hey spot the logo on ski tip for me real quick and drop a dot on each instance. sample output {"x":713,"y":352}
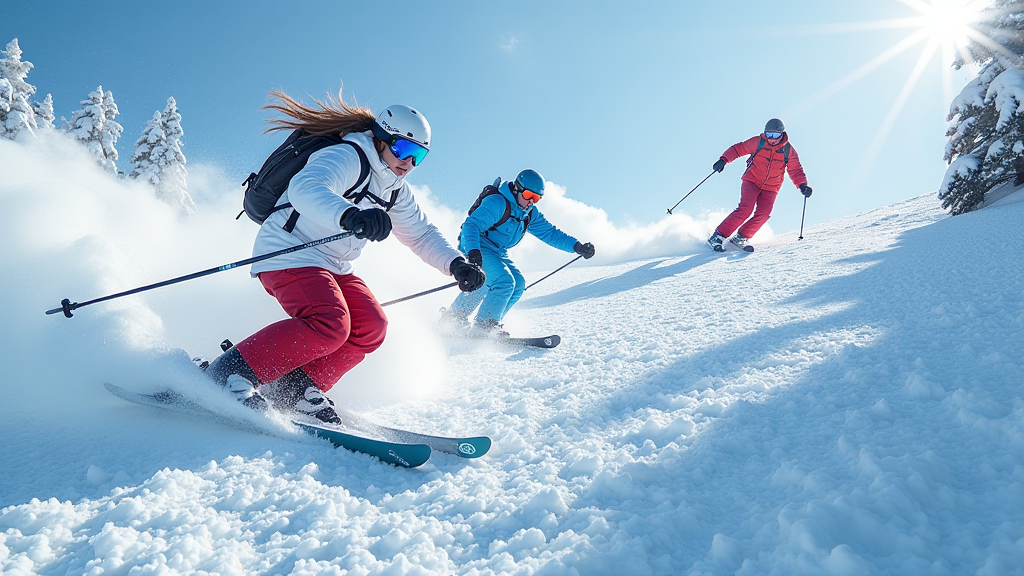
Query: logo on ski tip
{"x":398,"y":458}
{"x":467,"y":448}
{"x":547,"y":341}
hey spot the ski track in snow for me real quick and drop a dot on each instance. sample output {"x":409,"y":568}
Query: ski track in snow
{"x":845,"y":404}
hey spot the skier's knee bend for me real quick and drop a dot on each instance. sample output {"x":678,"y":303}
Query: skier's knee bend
{"x":502,"y":283}
{"x":517,"y":293}
{"x":371,"y":334}
{"x":331,"y":324}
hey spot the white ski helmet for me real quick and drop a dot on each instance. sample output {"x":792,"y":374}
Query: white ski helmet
{"x":404,"y":122}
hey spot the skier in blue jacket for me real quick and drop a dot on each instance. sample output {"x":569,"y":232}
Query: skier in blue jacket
{"x":500,"y":218}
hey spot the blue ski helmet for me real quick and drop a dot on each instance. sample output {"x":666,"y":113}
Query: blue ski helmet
{"x":530,"y":180}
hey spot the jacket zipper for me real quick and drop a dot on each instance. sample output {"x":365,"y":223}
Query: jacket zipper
{"x":768,"y":171}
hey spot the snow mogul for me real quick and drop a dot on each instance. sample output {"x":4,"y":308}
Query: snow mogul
{"x":355,"y":185}
{"x":498,"y":220}
{"x":771,"y":157}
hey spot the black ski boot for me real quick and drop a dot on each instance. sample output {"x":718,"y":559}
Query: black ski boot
{"x":296,"y":392}
{"x":741,"y":241}
{"x":233,"y":373}
{"x":716,"y":241}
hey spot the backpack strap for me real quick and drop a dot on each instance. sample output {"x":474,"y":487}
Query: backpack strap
{"x":491,"y":190}
{"x":364,"y":171}
{"x":760,"y":144}
{"x":508,"y":214}
{"x":505,"y":215}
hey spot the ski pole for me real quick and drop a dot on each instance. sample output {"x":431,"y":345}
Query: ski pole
{"x":802,"y":219}
{"x":556,"y":270}
{"x":66,"y":306}
{"x":691,"y":191}
{"x":418,"y":294}
{"x":447,"y":286}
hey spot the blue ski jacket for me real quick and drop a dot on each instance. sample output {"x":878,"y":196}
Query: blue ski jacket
{"x":476,"y":230}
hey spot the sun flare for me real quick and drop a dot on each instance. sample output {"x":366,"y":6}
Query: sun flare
{"x":949,"y":22}
{"x":942,"y":28}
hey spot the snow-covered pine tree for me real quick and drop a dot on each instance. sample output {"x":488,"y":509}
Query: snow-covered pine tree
{"x":44,"y":113}
{"x":94,"y":126}
{"x":158,"y":158}
{"x":16,"y":113}
{"x":143,"y":166}
{"x":972,"y":133}
{"x":111,"y":129}
{"x":986,"y":136}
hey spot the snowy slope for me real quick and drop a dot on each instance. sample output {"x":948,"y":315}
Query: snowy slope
{"x":846,"y":404}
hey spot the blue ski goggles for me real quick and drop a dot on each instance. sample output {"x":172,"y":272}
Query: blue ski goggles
{"x":773,"y":135}
{"x":403,"y":149}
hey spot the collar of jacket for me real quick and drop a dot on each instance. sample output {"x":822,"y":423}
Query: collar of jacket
{"x":378,"y":169}
{"x":777,"y":146}
{"x":517,"y":211}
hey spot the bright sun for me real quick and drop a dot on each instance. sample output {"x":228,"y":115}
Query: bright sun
{"x":948,"y":21}
{"x":943,"y":29}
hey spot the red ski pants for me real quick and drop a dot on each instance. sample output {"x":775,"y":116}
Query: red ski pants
{"x":752,"y":200}
{"x":335,"y":322}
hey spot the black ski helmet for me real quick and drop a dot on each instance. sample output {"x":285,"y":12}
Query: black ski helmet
{"x":775,"y":125}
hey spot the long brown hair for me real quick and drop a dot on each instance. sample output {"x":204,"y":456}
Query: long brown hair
{"x":331,"y":116}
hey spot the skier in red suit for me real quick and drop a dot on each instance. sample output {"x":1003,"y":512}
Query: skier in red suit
{"x":771,"y":156}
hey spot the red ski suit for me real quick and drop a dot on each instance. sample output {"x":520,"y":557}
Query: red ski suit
{"x":761,"y":182}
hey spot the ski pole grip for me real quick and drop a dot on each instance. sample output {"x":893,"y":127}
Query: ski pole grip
{"x":66,"y":306}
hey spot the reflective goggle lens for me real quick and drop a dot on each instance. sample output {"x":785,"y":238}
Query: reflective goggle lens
{"x":773,"y":135}
{"x":531,"y":196}
{"x":403,"y":149}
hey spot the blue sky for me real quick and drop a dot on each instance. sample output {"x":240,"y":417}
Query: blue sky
{"x":625,"y":104}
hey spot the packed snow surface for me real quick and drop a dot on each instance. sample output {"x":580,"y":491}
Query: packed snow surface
{"x":849,"y":403}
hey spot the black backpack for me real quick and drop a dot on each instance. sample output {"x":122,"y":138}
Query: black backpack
{"x":264,"y":189}
{"x":491,"y":190}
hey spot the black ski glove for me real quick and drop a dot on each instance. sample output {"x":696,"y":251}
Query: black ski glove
{"x":475,"y":257}
{"x":805,"y":190}
{"x":720,"y":165}
{"x":586,"y":250}
{"x":372,"y":224}
{"x":469,"y":276}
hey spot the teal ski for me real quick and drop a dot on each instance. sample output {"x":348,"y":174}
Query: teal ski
{"x":407,"y":454}
{"x":464,"y":447}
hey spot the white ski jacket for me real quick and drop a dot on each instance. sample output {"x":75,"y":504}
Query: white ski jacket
{"x":316,"y":192}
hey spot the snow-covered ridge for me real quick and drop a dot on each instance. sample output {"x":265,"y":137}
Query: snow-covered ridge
{"x":845,"y":404}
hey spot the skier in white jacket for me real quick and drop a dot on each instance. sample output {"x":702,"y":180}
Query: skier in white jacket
{"x":334,"y":319}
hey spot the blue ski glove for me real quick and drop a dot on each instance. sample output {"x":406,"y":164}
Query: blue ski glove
{"x":805,"y":190}
{"x":720,"y":165}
